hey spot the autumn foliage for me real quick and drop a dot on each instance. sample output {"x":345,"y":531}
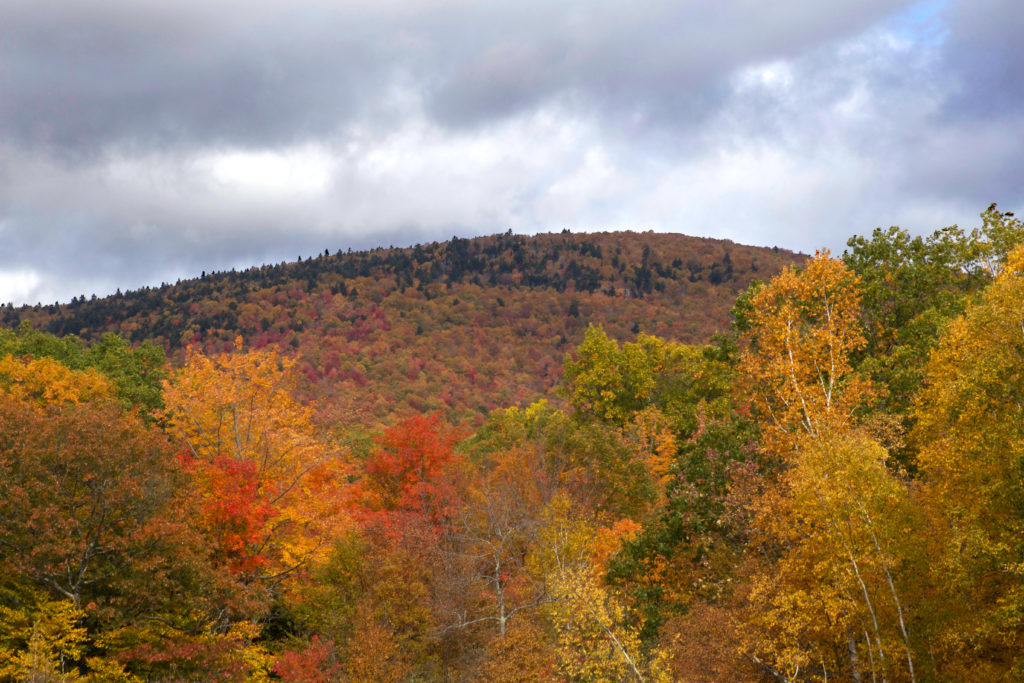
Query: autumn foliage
{"x":269,"y":487}
{"x":830,"y":491}
{"x":411,"y":469}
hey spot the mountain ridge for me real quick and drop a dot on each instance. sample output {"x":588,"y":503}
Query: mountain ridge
{"x":423,"y":328}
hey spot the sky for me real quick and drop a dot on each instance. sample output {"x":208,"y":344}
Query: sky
{"x":143,"y":141}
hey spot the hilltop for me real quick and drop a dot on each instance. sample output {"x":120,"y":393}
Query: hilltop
{"x":460,"y":326}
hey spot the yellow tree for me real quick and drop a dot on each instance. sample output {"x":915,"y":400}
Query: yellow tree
{"x":839,"y":525}
{"x":271,"y":488}
{"x":804,"y":325}
{"x":828,"y":598}
{"x":42,"y":642}
{"x":971,"y":430}
{"x":593,"y":640}
{"x":46,"y":380}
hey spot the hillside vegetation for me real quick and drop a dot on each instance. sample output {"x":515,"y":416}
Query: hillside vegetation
{"x":463,"y":326}
{"x":830,"y":491}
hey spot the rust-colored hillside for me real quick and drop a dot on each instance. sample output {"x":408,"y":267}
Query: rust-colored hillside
{"x":461,"y":326}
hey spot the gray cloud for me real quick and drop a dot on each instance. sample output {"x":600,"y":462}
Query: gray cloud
{"x":96,"y":74}
{"x":984,"y":52}
{"x":660,"y":65}
{"x":76,"y":85}
{"x":146,"y":141}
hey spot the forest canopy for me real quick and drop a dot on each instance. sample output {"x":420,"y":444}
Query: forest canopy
{"x":830,"y":488}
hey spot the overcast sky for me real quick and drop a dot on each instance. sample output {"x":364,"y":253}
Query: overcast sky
{"x":147,"y":140}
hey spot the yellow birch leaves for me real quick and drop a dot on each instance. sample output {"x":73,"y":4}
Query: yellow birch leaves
{"x":971,"y":430}
{"x":804,"y":327}
{"x":834,"y":512}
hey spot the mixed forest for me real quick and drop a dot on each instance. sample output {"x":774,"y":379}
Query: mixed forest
{"x":462,"y":327}
{"x":477,"y":461}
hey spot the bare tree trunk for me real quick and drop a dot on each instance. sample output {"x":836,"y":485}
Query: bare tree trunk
{"x":871,"y":656}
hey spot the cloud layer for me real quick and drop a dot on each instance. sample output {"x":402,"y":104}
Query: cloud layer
{"x":145,"y":141}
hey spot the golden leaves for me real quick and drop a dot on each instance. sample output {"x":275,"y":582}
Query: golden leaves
{"x":239,"y":410}
{"x":805,"y":326}
{"x":41,"y":641}
{"x":45,"y":379}
{"x":971,"y":432}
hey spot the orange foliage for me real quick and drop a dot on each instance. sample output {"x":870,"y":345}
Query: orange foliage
{"x":608,"y":541}
{"x":312,"y":664}
{"x":408,"y":471}
{"x":273,"y":492}
{"x":45,"y":379}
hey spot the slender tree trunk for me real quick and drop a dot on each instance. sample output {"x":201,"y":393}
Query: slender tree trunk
{"x":860,"y":580}
{"x":871,"y":656}
{"x":892,"y":588}
{"x":854,"y":664}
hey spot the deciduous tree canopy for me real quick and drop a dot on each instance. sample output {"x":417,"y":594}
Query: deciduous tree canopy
{"x":830,"y":491}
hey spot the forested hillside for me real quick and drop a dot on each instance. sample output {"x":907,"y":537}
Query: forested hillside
{"x":463,"y":326}
{"x":830,"y":491}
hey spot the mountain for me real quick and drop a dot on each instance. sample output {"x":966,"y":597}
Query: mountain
{"x":461,"y":326}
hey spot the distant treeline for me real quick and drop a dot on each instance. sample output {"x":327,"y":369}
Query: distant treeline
{"x":462,"y":326}
{"x":617,"y":264}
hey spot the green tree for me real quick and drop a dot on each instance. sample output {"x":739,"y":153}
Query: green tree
{"x":595,"y":462}
{"x":688,"y":547}
{"x":137,"y":373}
{"x":911,"y":288}
{"x":610,"y":383}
